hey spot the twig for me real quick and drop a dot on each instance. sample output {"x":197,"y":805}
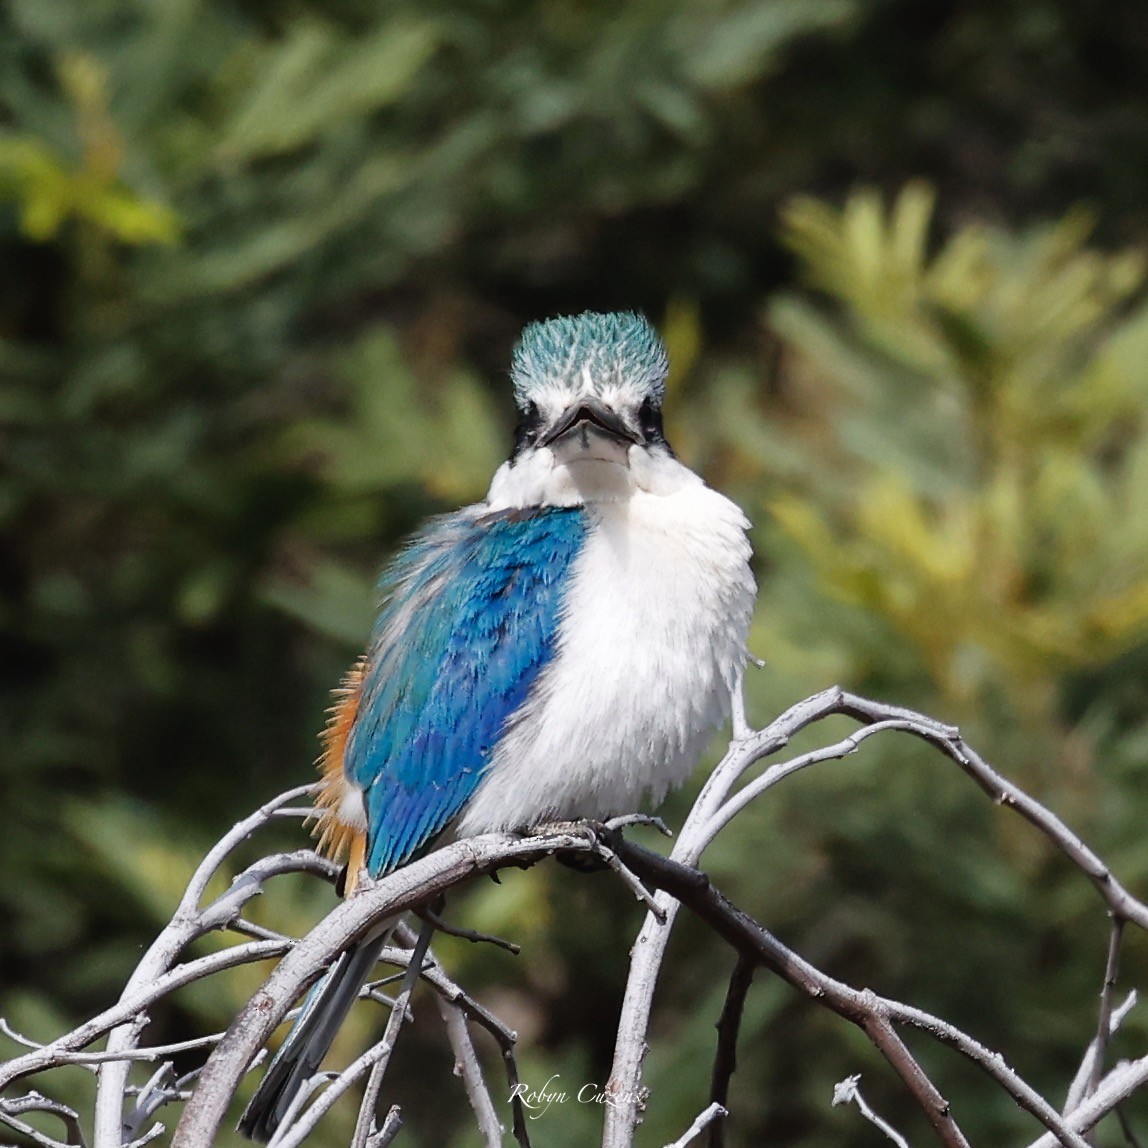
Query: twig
{"x":34,"y":1102}
{"x":648,"y":819}
{"x":1104,"y":1021}
{"x":648,"y":951}
{"x":152,"y":1096}
{"x":389,"y":1130}
{"x":847,"y":1092}
{"x":188,"y":924}
{"x":630,"y":880}
{"x":471,"y":935}
{"x":725,"y":1059}
{"x":470,"y":1071}
{"x":775,"y":773}
{"x":299,"y":1101}
{"x":145,"y":1055}
{"x":365,"y":1124}
{"x":870,"y":1012}
{"x":411,"y":886}
{"x":712,"y":811}
{"x":709,"y":1117}
{"x":504,"y":1037}
{"x":1127,"y":1078}
{"x":1005,"y":793}
{"x":49,"y":1054}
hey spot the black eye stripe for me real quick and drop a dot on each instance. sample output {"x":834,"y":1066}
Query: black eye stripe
{"x":529,"y":424}
{"x":650,"y":420}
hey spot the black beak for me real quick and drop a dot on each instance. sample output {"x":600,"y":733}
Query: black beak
{"x":588,"y":412}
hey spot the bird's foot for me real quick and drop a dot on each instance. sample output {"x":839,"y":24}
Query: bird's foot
{"x":592,"y":832}
{"x":616,"y":823}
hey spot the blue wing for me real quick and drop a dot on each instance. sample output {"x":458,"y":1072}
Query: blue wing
{"x":470,"y":618}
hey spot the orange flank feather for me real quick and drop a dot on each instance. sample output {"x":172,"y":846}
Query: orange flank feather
{"x":338,"y":839}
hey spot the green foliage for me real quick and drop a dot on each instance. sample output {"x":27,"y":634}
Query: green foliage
{"x":989,"y":419}
{"x":260,"y":270}
{"x":50,"y":192}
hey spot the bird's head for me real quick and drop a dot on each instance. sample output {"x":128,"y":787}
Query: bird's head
{"x":589,"y":394}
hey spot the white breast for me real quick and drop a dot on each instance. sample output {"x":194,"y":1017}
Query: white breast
{"x":649,"y":647}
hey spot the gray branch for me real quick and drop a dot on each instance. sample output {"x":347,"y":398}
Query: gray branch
{"x":663,"y":884}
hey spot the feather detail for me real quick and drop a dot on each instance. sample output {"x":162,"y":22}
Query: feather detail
{"x":470,"y":611}
{"x":339,"y":839}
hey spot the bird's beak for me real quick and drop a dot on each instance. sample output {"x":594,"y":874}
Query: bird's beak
{"x":588,"y":429}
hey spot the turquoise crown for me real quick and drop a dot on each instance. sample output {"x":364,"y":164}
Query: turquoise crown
{"x":620,"y":349}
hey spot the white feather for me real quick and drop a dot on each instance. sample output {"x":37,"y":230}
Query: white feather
{"x":651,"y":642}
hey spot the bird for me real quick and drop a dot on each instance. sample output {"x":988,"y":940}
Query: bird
{"x":562,"y":650}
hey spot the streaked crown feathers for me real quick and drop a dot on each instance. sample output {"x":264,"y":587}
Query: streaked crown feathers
{"x":611,"y":352}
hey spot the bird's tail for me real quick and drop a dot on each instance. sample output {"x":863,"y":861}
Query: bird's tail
{"x":298,"y":1059}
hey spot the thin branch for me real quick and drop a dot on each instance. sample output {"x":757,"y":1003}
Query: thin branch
{"x":470,"y":1071}
{"x":471,"y":935}
{"x":630,"y":880}
{"x":365,"y":1124}
{"x":1004,"y":792}
{"x":775,"y":773}
{"x":709,"y":1117}
{"x":413,"y":885}
{"x":712,"y":811}
{"x":188,"y":924}
{"x":231,"y":841}
{"x":10,"y":1110}
{"x":301,"y":1128}
{"x":149,"y":1054}
{"x":725,"y":1059}
{"x":648,"y":951}
{"x":648,"y":819}
{"x":504,"y":1037}
{"x":847,"y":1092}
{"x":48,"y":1055}
{"x":1104,"y":1021}
{"x":870,"y":1012}
{"x":389,"y":1130}
{"x":307,"y":1089}
{"x":1127,"y":1078}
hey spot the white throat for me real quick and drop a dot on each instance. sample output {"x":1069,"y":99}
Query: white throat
{"x":537,"y":478}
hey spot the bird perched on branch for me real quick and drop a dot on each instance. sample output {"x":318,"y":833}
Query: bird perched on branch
{"x":562,"y":650}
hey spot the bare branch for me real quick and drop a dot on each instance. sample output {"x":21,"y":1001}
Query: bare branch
{"x":712,"y":811}
{"x":847,"y":1092}
{"x":504,"y":1037}
{"x":471,"y":935}
{"x":1104,"y":1021}
{"x":1004,"y":792}
{"x":10,"y":1110}
{"x":365,"y":1125}
{"x":709,"y":1117}
{"x":725,"y":1060}
{"x":413,"y":885}
{"x":1127,"y":1078}
{"x":466,"y":1066}
{"x":48,"y":1056}
{"x":187,"y":925}
{"x":389,"y":1130}
{"x":869,"y":1012}
{"x":662,"y":884}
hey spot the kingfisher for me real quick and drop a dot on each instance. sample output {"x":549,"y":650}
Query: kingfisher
{"x":562,"y":650}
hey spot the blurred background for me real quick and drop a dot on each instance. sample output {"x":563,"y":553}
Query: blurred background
{"x":261,"y":268}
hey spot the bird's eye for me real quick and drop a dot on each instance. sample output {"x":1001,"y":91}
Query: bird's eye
{"x":650,"y":420}
{"x":529,"y":421}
